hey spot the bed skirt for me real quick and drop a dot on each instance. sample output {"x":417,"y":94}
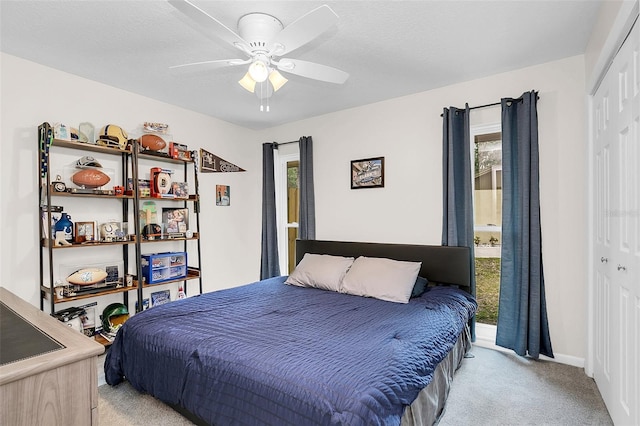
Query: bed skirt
{"x":428,"y":407}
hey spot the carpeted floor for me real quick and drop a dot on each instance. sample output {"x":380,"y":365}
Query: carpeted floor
{"x":501,"y":388}
{"x":123,"y":405}
{"x":493,"y":388}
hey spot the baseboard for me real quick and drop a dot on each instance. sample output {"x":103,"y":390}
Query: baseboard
{"x":486,"y":338}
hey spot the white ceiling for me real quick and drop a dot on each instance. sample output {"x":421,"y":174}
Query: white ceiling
{"x":389,"y":48}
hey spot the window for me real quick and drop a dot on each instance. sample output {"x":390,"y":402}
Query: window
{"x":487,"y":198}
{"x":293,"y":211}
{"x":287,"y":166}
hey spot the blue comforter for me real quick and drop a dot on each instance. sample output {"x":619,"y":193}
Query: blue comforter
{"x":270,"y":353}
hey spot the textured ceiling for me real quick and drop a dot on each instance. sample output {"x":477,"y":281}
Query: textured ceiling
{"x":389,"y":48}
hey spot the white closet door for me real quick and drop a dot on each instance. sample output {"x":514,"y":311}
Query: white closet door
{"x":616,"y":121}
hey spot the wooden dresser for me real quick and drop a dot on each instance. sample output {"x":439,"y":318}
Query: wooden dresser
{"x":48,"y":372}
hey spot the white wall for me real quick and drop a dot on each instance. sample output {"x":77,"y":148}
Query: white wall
{"x":32,"y":94}
{"x":407,"y":131}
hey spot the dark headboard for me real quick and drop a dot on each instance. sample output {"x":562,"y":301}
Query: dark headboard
{"x":440,"y":264}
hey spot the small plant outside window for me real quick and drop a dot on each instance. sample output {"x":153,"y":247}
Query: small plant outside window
{"x":493,"y":241}
{"x":476,"y":240}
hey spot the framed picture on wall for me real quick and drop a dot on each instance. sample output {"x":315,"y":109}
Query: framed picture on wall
{"x":223,"y":195}
{"x":367,"y":173}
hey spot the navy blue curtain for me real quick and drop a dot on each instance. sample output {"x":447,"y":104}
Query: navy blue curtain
{"x":269,"y":262}
{"x":457,"y":200}
{"x":307,"y":223}
{"x":522,"y":313}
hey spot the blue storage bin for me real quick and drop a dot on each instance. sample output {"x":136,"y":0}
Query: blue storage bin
{"x":161,"y":267}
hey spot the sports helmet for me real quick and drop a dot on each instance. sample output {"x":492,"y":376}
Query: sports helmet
{"x":113,"y":317}
{"x":112,"y":135}
{"x":87,"y":161}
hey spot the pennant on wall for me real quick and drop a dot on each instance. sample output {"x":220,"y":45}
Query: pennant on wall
{"x":211,"y":163}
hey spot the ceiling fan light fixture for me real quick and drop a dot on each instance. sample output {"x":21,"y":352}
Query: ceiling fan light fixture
{"x":277,"y":80}
{"x":259,"y":71}
{"x":248,"y":83}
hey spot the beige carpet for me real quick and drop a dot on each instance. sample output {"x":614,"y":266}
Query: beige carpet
{"x":123,"y":405}
{"x":494,"y":388}
{"x":501,"y":388}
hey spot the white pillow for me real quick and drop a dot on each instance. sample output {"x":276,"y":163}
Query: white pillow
{"x":320,"y":271}
{"x":381,"y":278}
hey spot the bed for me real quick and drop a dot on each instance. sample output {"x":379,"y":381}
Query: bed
{"x":273,"y":353}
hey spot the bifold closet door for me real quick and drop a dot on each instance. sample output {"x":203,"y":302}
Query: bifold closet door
{"x":616,"y":121}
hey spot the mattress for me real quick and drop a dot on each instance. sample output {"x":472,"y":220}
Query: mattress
{"x":269,"y":353}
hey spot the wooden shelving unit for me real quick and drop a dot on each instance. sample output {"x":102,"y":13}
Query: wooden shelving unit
{"x":130,"y":212}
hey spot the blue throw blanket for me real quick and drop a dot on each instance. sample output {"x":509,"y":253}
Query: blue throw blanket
{"x":270,"y":353}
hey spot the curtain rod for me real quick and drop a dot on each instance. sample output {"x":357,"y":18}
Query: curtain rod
{"x":486,"y":106}
{"x":496,"y":103}
{"x":277,"y":144}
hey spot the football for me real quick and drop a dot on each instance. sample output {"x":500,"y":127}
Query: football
{"x":152,"y":142}
{"x":90,"y":178}
{"x":87,"y":276}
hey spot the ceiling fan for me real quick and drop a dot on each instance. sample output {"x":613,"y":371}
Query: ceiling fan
{"x":263,"y":38}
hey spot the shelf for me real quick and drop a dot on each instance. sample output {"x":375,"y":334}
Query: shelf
{"x":162,"y":240}
{"x":100,"y":339}
{"x":192,"y":197}
{"x":45,"y":243}
{"x":161,"y":157}
{"x":191,"y":275}
{"x":75,"y":194}
{"x":56,"y":299}
{"x":129,"y":211}
{"x":89,"y":147}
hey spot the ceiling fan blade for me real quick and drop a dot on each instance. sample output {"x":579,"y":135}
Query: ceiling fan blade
{"x":313,"y":70}
{"x":214,"y":64}
{"x":304,"y":29}
{"x":210,"y":24}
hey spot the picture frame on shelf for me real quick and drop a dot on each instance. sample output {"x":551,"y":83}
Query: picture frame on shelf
{"x":175,"y":220}
{"x":160,"y":297}
{"x":180,"y":190}
{"x":85,"y":232}
{"x":367,"y":173}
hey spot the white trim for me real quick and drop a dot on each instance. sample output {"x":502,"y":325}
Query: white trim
{"x":590,"y":349}
{"x":486,"y":338}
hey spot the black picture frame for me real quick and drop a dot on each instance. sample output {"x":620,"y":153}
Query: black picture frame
{"x":367,"y":173}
